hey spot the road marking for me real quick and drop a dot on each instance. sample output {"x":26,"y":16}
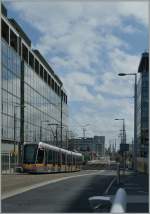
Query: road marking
{"x":110,"y":185}
{"x":25,"y":189}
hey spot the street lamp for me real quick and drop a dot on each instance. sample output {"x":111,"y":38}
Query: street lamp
{"x":135,"y":115}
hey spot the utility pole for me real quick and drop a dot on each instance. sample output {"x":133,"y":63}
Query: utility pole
{"x":135,"y":116}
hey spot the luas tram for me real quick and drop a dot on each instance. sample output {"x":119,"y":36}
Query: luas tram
{"x":45,"y":158}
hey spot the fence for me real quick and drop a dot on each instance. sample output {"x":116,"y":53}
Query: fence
{"x":8,"y":163}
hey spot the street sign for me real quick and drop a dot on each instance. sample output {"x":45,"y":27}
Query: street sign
{"x":124,"y":147}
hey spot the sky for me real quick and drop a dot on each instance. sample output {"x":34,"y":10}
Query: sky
{"x":87,"y":43}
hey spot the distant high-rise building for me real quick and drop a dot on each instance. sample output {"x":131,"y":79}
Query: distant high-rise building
{"x":143,"y":106}
{"x":99,"y":142}
{"x":92,"y":148}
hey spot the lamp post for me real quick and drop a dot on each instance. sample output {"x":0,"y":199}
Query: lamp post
{"x":135,"y":116}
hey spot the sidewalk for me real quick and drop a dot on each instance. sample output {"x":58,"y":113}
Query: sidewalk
{"x":137,"y":187}
{"x":17,"y":181}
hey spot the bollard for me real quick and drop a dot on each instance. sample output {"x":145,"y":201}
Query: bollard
{"x":120,"y":202}
{"x":118,"y":173}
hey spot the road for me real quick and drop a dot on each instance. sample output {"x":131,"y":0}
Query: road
{"x":70,"y":195}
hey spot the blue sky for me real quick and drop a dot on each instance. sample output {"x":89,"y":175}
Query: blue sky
{"x":87,"y":44}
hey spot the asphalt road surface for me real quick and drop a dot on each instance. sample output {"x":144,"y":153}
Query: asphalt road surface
{"x":69,"y":195}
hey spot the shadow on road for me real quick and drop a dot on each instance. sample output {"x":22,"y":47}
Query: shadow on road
{"x":96,"y":187}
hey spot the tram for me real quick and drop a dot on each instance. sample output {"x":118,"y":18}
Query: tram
{"x":46,"y":158}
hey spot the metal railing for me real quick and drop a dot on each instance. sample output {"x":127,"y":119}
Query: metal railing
{"x":8,"y":163}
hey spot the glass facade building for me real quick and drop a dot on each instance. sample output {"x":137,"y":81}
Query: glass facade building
{"x":34,"y":102}
{"x":143,"y":106}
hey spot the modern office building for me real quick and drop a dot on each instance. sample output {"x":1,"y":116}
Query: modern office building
{"x":143,"y":108}
{"x":92,"y":148}
{"x":99,"y":142}
{"x":34,"y":101}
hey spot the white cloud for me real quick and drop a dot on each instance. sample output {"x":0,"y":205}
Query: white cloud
{"x":129,"y":29}
{"x":78,"y":40}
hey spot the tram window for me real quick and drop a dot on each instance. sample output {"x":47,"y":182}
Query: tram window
{"x":54,"y":157}
{"x":59,"y":157}
{"x":40,"y":156}
{"x":63,"y":158}
{"x":69,"y":159}
{"x":50,"y":156}
{"x":46,"y":156}
{"x":55,"y":160}
{"x":74,"y":160}
{"x":30,"y":153}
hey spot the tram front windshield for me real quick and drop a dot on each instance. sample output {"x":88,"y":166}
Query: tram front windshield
{"x":30,"y":152}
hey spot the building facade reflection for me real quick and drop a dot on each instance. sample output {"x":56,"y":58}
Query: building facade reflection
{"x":30,"y":94}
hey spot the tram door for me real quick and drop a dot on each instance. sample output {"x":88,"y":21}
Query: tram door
{"x":40,"y":156}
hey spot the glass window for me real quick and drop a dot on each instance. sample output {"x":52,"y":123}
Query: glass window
{"x":30,"y":153}
{"x":4,"y":78}
{"x":41,"y":71}
{"x":31,"y":60}
{"x":24,"y":52}
{"x":50,"y":156}
{"x":5,"y":31}
{"x":45,"y":75}
{"x":13,"y":40}
{"x":36,"y":66}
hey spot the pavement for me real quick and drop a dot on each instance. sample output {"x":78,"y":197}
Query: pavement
{"x":67,"y":196}
{"x":69,"y":192}
{"x":136,"y":186}
{"x":16,"y":181}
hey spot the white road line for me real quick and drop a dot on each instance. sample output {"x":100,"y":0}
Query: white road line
{"x":25,"y":189}
{"x":110,"y":185}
